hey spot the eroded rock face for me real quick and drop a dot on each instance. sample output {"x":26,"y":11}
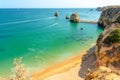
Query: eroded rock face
{"x":99,"y":8}
{"x":75,"y":17}
{"x":109,"y":15}
{"x":108,"y":45}
{"x":103,"y":73}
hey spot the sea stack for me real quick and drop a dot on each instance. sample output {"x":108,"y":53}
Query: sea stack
{"x":67,"y":17}
{"x":75,"y":17}
{"x":56,"y":14}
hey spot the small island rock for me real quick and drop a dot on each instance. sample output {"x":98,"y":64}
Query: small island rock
{"x":75,"y":17}
{"x":67,"y":17}
{"x":56,"y":14}
{"x":81,"y":28}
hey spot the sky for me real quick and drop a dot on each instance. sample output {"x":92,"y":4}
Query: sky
{"x":56,"y":3}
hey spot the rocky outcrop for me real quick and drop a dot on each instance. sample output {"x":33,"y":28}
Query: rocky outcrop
{"x":108,"y":55}
{"x":108,"y":43}
{"x":108,"y":47}
{"x":56,"y":14}
{"x":67,"y":17}
{"x":103,"y":73}
{"x":109,"y":15}
{"x":99,"y":8}
{"x":75,"y":17}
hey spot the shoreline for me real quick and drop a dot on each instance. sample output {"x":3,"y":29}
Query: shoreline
{"x":66,"y":68}
{"x":58,"y":68}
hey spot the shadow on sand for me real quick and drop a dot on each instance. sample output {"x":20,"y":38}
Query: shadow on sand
{"x":88,"y":61}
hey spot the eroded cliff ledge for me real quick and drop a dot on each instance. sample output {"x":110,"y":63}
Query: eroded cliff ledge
{"x":109,"y":15}
{"x":107,"y":48}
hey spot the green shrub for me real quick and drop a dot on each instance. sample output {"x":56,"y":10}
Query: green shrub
{"x":114,"y":37}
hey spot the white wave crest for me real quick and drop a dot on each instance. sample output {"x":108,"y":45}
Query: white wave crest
{"x":26,"y":21}
{"x":50,"y":18}
{"x":53,"y":25}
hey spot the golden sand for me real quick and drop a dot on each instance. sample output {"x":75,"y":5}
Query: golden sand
{"x":68,"y":70}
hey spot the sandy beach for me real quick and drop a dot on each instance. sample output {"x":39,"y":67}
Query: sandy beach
{"x":71,"y":69}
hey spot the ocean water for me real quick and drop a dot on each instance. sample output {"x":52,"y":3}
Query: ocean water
{"x":42,"y":39}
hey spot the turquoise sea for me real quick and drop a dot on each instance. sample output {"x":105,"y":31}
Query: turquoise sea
{"x":42,"y":39}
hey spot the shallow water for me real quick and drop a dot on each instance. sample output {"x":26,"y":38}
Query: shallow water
{"x":42,"y":39}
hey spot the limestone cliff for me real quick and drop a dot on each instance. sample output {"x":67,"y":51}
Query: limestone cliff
{"x":109,"y":15}
{"x":108,"y":44}
{"x":103,"y":73}
{"x":108,"y":55}
{"x":108,"y":47}
{"x":99,"y":8}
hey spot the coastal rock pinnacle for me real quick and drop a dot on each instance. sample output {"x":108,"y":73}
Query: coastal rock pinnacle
{"x":75,"y":17}
{"x":67,"y":17}
{"x":56,"y":14}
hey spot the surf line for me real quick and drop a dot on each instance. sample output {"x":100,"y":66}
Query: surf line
{"x":26,"y":21}
{"x":53,"y":25}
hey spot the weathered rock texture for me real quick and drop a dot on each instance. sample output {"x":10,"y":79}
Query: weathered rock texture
{"x":108,"y":47}
{"x":109,"y":15}
{"x":75,"y":17}
{"x":99,"y":8}
{"x":103,"y":73}
{"x":108,"y":43}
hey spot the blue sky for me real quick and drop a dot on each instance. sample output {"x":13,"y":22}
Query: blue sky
{"x":56,"y":3}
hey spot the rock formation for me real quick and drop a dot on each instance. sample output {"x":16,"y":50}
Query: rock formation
{"x":99,"y":8}
{"x":102,"y":73}
{"x":56,"y":14}
{"x":109,"y":15}
{"x":75,"y":17}
{"x":81,"y":28}
{"x":108,"y":47}
{"x":67,"y":17}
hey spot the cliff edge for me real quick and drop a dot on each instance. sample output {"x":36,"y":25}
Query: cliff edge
{"x":109,"y":15}
{"x":107,"y":47}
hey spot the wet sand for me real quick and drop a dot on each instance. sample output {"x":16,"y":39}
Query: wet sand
{"x":71,"y":69}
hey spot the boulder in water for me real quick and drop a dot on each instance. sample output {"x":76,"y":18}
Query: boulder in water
{"x":91,"y":9}
{"x":81,"y":28}
{"x":67,"y":17}
{"x":56,"y":14}
{"x":75,"y":17}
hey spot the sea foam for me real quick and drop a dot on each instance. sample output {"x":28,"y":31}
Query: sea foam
{"x":26,"y":21}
